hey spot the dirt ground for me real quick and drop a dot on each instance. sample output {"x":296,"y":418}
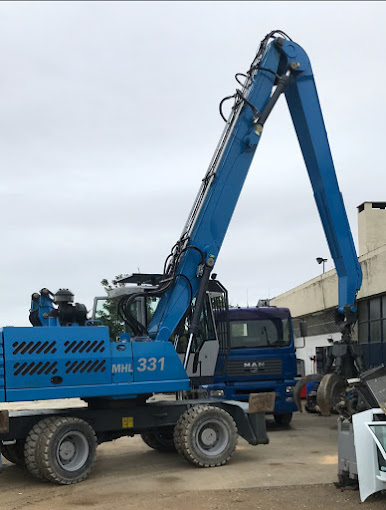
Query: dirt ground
{"x":297,"y":470}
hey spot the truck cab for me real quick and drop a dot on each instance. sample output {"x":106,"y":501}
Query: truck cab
{"x":261,"y":358}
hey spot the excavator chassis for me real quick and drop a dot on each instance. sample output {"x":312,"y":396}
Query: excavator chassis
{"x":60,"y":444}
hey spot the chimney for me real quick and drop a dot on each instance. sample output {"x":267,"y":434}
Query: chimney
{"x":371,"y":226}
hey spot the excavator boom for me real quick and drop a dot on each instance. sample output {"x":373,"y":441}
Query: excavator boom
{"x":280,"y":66}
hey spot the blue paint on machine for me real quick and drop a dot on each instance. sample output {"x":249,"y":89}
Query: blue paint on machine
{"x":47,"y":363}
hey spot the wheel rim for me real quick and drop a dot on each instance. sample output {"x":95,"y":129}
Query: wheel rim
{"x":212,"y":437}
{"x":72,"y":451}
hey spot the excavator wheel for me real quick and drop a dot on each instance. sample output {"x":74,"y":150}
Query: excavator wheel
{"x":61,"y":450}
{"x":14,"y":452}
{"x":161,"y":439}
{"x":205,"y":436}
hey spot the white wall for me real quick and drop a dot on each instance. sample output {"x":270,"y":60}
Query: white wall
{"x":309,"y":350}
{"x":371,"y":226}
{"x":321,"y":292}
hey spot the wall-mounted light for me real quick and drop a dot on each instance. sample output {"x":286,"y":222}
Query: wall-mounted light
{"x":321,"y":260}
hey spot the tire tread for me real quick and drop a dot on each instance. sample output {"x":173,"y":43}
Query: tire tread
{"x":45,"y":463}
{"x":183,"y":429}
{"x":31,"y":449}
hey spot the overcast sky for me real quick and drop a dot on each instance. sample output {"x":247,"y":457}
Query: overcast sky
{"x":109,"y":118}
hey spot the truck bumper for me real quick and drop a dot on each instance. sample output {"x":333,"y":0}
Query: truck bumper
{"x":240,"y":391}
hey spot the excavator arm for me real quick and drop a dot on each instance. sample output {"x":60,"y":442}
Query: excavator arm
{"x":280,"y":66}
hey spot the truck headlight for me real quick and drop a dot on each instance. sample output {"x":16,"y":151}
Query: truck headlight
{"x":216,"y":393}
{"x":289,"y":389}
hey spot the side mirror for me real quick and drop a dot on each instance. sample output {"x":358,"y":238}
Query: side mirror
{"x":303,"y":328}
{"x":301,"y":342}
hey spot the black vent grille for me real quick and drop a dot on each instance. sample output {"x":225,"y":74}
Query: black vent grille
{"x":22,"y":348}
{"x":83,"y":346}
{"x":84,"y":366}
{"x":37,"y":368}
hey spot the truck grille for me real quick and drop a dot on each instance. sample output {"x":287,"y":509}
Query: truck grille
{"x":251,"y":367}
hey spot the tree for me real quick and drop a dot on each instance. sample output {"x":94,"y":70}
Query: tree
{"x":108,"y":312}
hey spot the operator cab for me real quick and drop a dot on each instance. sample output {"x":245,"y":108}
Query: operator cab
{"x":105,"y":310}
{"x":209,"y":349}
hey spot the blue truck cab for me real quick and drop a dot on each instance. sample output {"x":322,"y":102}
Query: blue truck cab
{"x":261,"y":358}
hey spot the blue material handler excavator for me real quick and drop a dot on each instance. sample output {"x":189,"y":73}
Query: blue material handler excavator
{"x":65,"y":355}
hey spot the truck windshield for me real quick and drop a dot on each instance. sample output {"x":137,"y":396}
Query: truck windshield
{"x":260,"y":333}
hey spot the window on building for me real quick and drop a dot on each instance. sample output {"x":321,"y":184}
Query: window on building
{"x":372,"y":320}
{"x":375,"y":308}
{"x":375,"y":336}
{"x":363,"y":332}
{"x":363,"y":310}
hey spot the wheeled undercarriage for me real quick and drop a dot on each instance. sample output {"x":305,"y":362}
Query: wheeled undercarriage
{"x":59,"y":445}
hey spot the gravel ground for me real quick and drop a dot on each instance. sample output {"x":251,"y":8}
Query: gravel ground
{"x":309,"y":497}
{"x":295,"y":471}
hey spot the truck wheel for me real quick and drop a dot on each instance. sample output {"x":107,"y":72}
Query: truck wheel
{"x":283,"y":419}
{"x":160,"y":439}
{"x":14,"y":452}
{"x":206,"y":436}
{"x":61,"y":450}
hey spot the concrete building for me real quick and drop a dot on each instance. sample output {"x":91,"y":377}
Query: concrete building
{"x":315,"y":300}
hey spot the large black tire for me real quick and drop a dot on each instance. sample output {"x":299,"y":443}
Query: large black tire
{"x":161,"y":439}
{"x":31,"y":449}
{"x":206,"y":436}
{"x":64,"y":451}
{"x":283,"y":419}
{"x":14,"y":452}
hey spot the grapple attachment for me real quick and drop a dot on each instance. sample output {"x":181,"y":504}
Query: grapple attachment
{"x":300,"y":385}
{"x":330,"y":391}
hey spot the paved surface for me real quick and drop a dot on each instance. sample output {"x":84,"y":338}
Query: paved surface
{"x":128,"y":474}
